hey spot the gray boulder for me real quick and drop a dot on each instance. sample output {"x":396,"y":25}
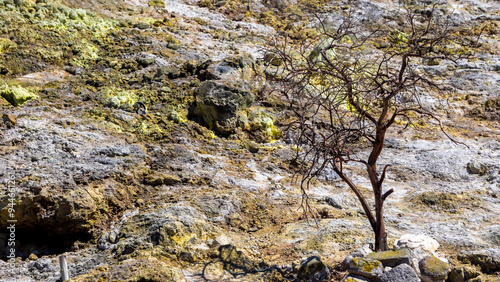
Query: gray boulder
{"x":412,"y":241}
{"x":222,"y":107}
{"x":402,"y":272}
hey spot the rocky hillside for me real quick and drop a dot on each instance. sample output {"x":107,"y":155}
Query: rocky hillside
{"x":141,"y":139}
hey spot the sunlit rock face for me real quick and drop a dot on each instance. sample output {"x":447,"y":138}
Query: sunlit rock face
{"x":201,"y":182}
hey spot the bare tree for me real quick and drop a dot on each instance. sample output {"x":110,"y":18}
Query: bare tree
{"x":349,"y":85}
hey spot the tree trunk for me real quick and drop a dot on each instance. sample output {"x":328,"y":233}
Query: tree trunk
{"x":380,"y":235}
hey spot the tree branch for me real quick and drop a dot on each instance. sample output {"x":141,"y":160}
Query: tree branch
{"x":383,"y":175}
{"x":360,"y":196}
{"x":386,"y":194}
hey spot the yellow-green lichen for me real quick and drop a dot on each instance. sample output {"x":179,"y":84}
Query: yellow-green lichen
{"x":115,"y":98}
{"x":76,"y":21}
{"x":16,"y":95}
{"x":447,"y":202}
{"x":146,"y":128}
{"x":86,"y":52}
{"x":262,"y":121}
{"x":434,"y":265}
{"x":178,"y":117}
{"x":366,"y":265}
{"x":156,"y":3}
{"x":50,"y":32}
{"x":6,"y":45}
{"x":321,"y":241}
{"x":391,"y":257}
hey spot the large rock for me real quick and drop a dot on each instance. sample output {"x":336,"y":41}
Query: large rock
{"x":222,"y":107}
{"x":16,"y":95}
{"x":365,"y":267}
{"x":433,"y":269}
{"x":412,"y":241}
{"x":420,"y":246}
{"x":492,"y":108}
{"x":313,"y":270}
{"x":360,"y":253}
{"x":402,"y":272}
{"x":392,"y":258}
{"x":475,"y":167}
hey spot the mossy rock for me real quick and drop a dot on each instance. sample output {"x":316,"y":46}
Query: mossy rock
{"x":316,"y":54}
{"x":16,"y":95}
{"x":86,"y":53}
{"x":206,"y":3}
{"x":176,"y":227}
{"x":142,"y":25}
{"x":434,"y":268}
{"x":392,"y":258}
{"x":365,"y":267}
{"x":156,"y":3}
{"x":21,"y":3}
{"x":313,"y":269}
{"x":171,"y":72}
{"x":50,"y":33}
{"x":350,"y":278}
